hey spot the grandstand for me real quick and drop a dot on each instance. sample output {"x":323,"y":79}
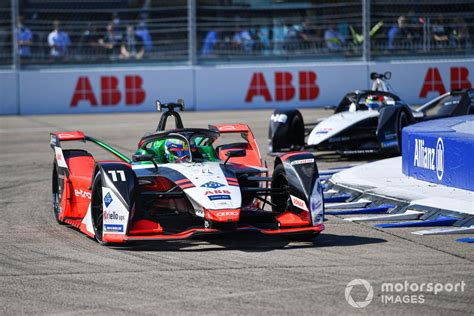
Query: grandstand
{"x":217,"y":31}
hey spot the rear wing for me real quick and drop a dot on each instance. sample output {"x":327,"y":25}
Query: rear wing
{"x":58,"y":137}
{"x":253,"y":157}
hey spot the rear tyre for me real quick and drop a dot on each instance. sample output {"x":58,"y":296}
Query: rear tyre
{"x":281,"y":201}
{"x":402,"y":122}
{"x":97,"y":209}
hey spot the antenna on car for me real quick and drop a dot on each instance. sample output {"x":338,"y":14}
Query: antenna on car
{"x":179,"y":104}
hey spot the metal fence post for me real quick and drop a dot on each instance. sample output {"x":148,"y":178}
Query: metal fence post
{"x":14,"y":17}
{"x":192,"y":32}
{"x":366,"y":30}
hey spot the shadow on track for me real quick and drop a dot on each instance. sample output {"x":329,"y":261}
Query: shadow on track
{"x":250,"y":242}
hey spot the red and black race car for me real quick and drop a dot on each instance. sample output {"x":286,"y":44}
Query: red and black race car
{"x":181,"y":183}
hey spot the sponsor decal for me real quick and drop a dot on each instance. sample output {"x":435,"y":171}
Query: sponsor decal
{"x":211,"y":192}
{"x":82,"y":194}
{"x":199,"y":213}
{"x":434,"y":82}
{"x":132,"y":93}
{"x":286,"y":87}
{"x":219,"y":197}
{"x":429,"y":158}
{"x":212,"y":185}
{"x":279,"y":118}
{"x":115,"y":228}
{"x":324,"y":130}
{"x":113,"y":216}
{"x":227,"y":128}
{"x":107,"y":199}
{"x":54,"y":140}
{"x":227,"y":213}
{"x":299,"y":203}
{"x":302,"y":161}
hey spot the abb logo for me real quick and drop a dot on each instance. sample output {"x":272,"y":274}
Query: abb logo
{"x":285,"y":90}
{"x":110,"y":94}
{"x":211,"y":192}
{"x":433,"y":82}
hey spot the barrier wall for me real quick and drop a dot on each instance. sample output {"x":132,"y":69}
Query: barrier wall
{"x":239,"y":86}
{"x":441,"y":151}
{"x":8,"y":92}
{"x":103,"y":90}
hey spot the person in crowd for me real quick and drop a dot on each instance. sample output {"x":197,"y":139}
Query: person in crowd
{"x":399,"y":34}
{"x":334,"y":40}
{"x":111,"y":42}
{"x":24,"y":39}
{"x":308,"y":34}
{"x":88,"y":42}
{"x":279,"y":31}
{"x":210,"y":41}
{"x":440,"y":31}
{"x":58,"y":41}
{"x":263,"y":35}
{"x":144,"y":34}
{"x":243,"y":40}
{"x":460,"y":36}
{"x":132,"y":45}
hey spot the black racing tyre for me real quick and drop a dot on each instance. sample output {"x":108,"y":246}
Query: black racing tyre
{"x":402,"y":122}
{"x":97,"y":208}
{"x":56,"y":196}
{"x":280,"y":181}
{"x":296,"y":132}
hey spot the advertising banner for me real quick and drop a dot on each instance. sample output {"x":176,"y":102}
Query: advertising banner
{"x":105,"y":90}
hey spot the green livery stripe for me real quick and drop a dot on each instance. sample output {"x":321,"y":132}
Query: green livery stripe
{"x":108,"y":148}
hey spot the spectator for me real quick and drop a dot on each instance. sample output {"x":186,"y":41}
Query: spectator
{"x":440,"y":32}
{"x":210,"y":41}
{"x":144,"y":34}
{"x":25,"y":39}
{"x":279,"y":34}
{"x":58,"y":41}
{"x":111,"y":42}
{"x":308,"y":34}
{"x":243,"y":40}
{"x":89,"y":41}
{"x":399,"y":33}
{"x":263,"y":35}
{"x":460,"y":36}
{"x":333,"y":38}
{"x":132,"y":45}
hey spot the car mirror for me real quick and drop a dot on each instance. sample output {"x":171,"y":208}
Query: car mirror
{"x":144,"y":157}
{"x":235,"y":153}
{"x":158,"y":105}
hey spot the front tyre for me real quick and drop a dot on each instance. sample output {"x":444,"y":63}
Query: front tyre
{"x":97,"y":211}
{"x":280,"y":200}
{"x":56,"y":197}
{"x":402,"y":122}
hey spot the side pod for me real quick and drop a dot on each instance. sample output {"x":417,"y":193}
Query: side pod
{"x":286,"y":131}
{"x":305,"y":188}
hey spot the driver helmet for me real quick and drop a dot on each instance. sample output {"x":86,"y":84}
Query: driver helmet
{"x":176,"y":150}
{"x":374,"y":102}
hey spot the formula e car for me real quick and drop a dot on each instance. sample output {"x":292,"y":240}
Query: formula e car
{"x":182,"y":183}
{"x":364,"y":122}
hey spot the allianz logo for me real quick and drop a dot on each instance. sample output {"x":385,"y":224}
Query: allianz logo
{"x":430,"y":158}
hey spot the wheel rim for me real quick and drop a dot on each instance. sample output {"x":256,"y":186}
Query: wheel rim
{"x":97,"y":212}
{"x":56,"y":205}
